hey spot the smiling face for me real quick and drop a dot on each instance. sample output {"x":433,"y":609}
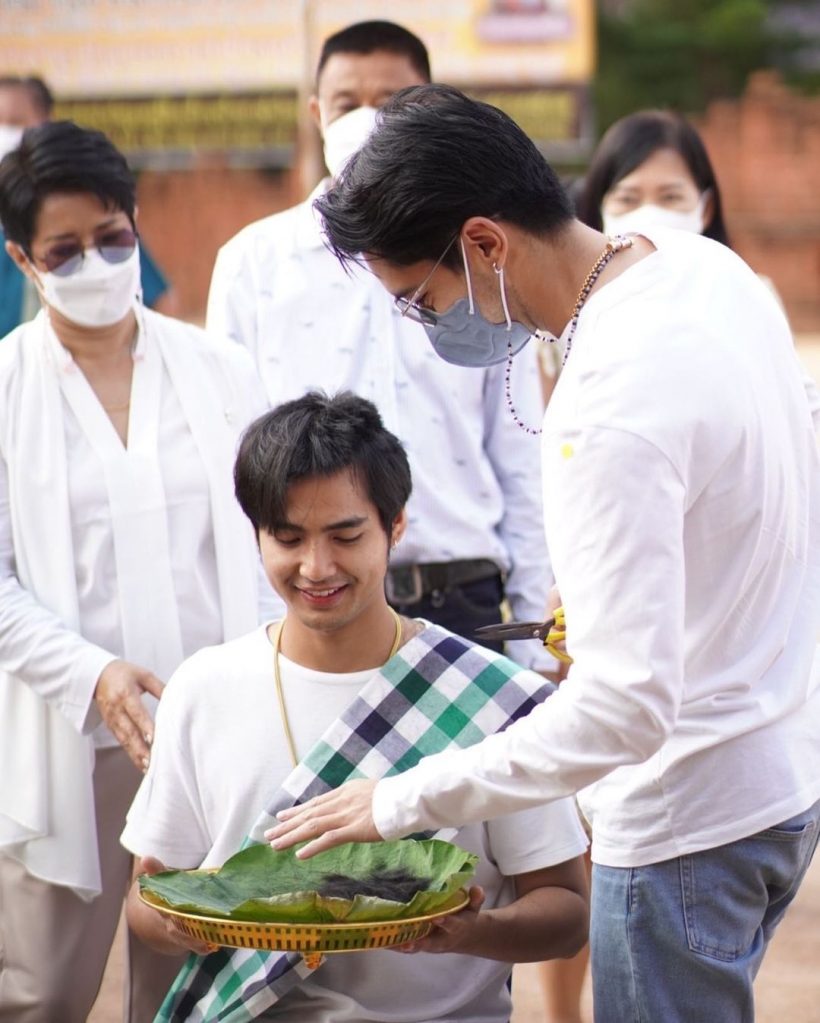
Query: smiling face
{"x":328,"y":560}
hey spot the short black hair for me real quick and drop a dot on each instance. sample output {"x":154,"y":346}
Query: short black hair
{"x":632,"y":140}
{"x":367,"y":37}
{"x":435,"y":159}
{"x":318,"y":435}
{"x":60,"y":157}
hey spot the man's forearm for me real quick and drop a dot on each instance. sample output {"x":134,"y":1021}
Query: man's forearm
{"x":547,"y":923}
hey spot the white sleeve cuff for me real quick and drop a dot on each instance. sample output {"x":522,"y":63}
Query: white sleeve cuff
{"x":388,"y":817}
{"x":79,"y":707}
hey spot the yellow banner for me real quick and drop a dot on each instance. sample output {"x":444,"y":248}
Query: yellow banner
{"x":267,"y":124}
{"x":143,"y":48}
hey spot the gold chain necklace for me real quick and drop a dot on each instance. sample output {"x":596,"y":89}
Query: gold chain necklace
{"x":277,"y":678}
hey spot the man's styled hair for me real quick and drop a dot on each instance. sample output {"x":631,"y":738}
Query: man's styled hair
{"x":435,"y":159}
{"x":60,"y":157}
{"x":366,"y":37}
{"x":317,"y":435}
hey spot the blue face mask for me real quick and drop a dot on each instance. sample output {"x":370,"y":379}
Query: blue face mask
{"x":461,"y":335}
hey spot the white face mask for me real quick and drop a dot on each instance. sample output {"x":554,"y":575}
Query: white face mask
{"x":345,"y":136}
{"x":11,"y":135}
{"x":648,"y":216}
{"x":99,"y":294}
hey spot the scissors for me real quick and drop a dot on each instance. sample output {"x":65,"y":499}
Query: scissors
{"x":550,"y":632}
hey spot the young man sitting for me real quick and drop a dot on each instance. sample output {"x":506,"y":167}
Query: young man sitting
{"x":343,"y":685}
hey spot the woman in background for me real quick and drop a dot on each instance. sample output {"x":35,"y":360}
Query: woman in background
{"x":122,"y":552}
{"x":651,"y":169}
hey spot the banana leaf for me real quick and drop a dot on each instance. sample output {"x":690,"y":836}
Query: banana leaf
{"x":266,"y":885}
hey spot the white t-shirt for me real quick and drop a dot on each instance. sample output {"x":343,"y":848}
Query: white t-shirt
{"x":219,"y":754}
{"x":682,"y":507}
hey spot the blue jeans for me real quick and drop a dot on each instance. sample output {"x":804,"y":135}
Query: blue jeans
{"x":681,"y":941}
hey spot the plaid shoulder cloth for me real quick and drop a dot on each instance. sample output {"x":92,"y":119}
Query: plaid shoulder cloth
{"x":438,"y":691}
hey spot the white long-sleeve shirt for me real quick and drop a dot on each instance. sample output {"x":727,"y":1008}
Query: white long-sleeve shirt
{"x":308,"y":324}
{"x":682,"y":505}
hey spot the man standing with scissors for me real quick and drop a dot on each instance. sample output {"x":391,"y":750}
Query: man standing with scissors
{"x":682,"y":507}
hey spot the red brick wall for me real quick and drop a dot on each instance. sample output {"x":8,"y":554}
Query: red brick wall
{"x":766,"y":151}
{"x":186,"y":215}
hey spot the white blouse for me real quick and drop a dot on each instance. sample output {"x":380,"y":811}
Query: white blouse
{"x":140,"y":553}
{"x":140,"y":520}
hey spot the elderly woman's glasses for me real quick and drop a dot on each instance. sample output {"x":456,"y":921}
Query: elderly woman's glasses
{"x":114,"y":246}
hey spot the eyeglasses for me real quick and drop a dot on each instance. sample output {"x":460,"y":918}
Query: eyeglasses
{"x":410,"y":308}
{"x":66,"y":258}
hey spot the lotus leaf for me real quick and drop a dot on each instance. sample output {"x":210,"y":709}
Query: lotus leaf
{"x":266,"y":885}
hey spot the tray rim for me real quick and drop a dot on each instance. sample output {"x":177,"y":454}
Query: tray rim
{"x":148,"y":897}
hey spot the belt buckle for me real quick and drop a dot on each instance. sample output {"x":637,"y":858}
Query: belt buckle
{"x":403,"y":584}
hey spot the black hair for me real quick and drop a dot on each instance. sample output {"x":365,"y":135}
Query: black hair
{"x":631,"y":141}
{"x":366,"y":37}
{"x":60,"y":157}
{"x":317,"y":435}
{"x":435,"y":159}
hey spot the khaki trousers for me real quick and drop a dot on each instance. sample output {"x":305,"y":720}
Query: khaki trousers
{"x":54,"y":946}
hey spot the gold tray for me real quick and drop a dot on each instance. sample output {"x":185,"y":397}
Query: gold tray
{"x":310,"y":940}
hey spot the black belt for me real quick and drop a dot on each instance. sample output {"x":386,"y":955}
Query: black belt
{"x":408,"y":584}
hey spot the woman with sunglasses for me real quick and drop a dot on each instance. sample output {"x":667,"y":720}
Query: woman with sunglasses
{"x":122,"y":551}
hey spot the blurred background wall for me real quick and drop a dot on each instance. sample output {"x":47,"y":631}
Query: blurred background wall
{"x":208,"y":101}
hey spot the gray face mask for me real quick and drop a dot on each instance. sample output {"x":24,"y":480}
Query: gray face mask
{"x":461,"y":335}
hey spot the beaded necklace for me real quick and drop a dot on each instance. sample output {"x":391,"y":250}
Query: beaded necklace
{"x":613,"y":246}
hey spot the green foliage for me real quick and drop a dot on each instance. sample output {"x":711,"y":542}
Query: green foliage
{"x":683,"y":54}
{"x":262,"y":884}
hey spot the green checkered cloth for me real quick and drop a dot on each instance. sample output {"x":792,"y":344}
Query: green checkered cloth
{"x":439,"y":691}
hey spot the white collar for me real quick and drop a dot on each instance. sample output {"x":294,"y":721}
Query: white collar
{"x":309,"y":229}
